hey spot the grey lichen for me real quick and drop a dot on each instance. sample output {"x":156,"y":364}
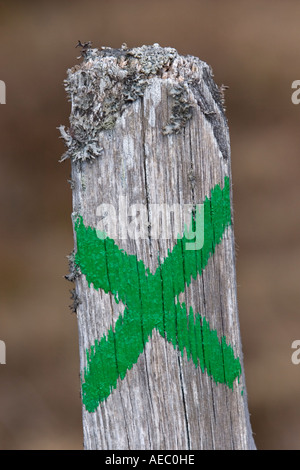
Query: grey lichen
{"x":75,"y":301}
{"x":71,"y":183}
{"x":182,"y":109}
{"x":74,"y":270}
{"x":152,"y":59}
{"x":109,"y":79}
{"x":100,"y":88}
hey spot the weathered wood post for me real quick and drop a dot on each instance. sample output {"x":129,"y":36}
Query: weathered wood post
{"x":154,"y":263}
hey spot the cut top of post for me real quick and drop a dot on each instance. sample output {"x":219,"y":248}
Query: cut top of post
{"x":109,"y":79}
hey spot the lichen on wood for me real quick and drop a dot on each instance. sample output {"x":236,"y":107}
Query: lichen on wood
{"x":109,"y":79}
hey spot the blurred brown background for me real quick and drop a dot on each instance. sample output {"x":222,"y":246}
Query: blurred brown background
{"x":254,"y":48}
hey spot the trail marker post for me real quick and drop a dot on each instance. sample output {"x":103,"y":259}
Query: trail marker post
{"x":154,"y":264}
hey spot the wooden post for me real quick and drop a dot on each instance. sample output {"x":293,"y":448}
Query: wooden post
{"x":154,"y":264}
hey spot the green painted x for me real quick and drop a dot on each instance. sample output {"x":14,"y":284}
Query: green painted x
{"x":151,"y":302}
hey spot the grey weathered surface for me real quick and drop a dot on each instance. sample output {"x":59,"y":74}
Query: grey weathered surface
{"x":149,"y":124}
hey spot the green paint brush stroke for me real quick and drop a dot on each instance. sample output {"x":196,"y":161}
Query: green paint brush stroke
{"x":149,"y":301}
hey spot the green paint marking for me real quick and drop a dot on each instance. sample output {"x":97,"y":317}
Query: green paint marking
{"x":150,"y":303}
